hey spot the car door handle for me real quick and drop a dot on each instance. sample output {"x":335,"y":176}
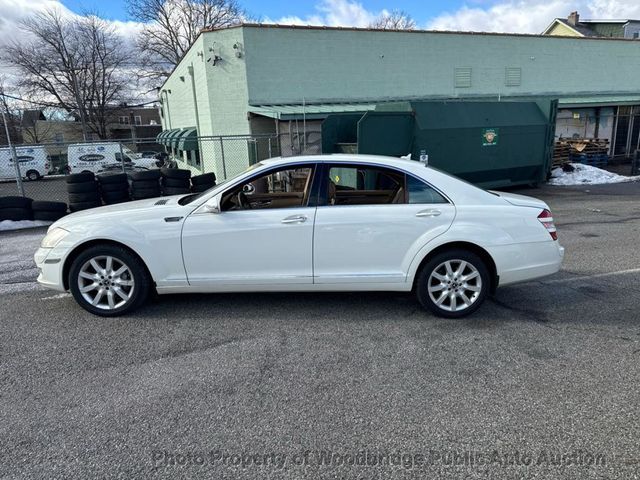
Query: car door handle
{"x":430,"y":212}
{"x":295,"y":219}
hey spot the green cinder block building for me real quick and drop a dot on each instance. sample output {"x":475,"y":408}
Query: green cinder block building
{"x":271,"y":80}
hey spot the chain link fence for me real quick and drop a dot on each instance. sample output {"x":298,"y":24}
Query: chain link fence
{"x":43,"y":167}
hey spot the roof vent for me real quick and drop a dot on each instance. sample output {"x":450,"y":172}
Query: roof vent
{"x":512,"y":76}
{"x":462,"y":77}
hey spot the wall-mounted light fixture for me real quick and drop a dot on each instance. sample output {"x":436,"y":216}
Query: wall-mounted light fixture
{"x":213,"y":59}
{"x":239,"y":50}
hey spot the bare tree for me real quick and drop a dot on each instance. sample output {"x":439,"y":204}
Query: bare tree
{"x":75,"y":61}
{"x":171,"y":26}
{"x":394,"y":20}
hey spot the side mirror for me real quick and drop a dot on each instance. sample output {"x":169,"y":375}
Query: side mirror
{"x":213,"y":205}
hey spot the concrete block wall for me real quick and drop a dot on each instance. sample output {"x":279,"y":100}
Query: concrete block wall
{"x":285,"y":65}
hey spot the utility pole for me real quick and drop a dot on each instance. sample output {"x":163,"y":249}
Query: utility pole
{"x":14,"y":155}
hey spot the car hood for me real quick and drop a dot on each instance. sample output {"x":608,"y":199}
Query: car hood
{"x":127,"y":210}
{"x":521,"y":200}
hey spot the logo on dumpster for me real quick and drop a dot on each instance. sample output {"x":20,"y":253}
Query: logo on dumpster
{"x":489,"y":137}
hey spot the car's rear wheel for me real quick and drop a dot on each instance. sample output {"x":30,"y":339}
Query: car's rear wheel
{"x":108,"y":280}
{"x":453,"y":283}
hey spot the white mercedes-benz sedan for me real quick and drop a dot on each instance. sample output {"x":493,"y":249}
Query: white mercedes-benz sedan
{"x":314,"y":223}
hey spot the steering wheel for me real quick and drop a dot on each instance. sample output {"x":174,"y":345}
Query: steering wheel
{"x":243,"y":201}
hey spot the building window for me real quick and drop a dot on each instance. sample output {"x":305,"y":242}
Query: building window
{"x":58,"y":137}
{"x":137,"y":120}
{"x":192,"y":158}
{"x":123,"y":120}
{"x":636,"y":34}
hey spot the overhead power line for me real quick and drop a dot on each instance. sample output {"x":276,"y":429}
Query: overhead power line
{"x":55,"y":105}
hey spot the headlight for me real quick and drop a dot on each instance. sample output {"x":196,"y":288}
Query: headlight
{"x":53,"y":238}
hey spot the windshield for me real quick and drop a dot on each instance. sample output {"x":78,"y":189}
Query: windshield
{"x":195,"y":196}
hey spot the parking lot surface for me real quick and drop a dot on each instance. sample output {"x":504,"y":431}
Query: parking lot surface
{"x":542,"y":382}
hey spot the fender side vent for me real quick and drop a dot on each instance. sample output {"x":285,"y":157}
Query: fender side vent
{"x":162,"y":202}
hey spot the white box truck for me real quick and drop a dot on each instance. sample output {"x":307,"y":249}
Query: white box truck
{"x":103,"y":157}
{"x":33,"y":161}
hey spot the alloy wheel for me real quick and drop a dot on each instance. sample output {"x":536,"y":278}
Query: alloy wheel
{"x":106,"y":282}
{"x":454,"y":285}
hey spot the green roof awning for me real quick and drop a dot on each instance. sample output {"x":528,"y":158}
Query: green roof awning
{"x":599,"y":101}
{"x":310,"y":112}
{"x":171,"y":140}
{"x":160,"y":137}
{"x":188,"y":139}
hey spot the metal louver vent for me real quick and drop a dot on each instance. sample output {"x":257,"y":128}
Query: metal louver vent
{"x":462,"y":77}
{"x":513,"y":76}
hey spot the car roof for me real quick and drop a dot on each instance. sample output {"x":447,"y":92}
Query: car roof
{"x":344,"y":157}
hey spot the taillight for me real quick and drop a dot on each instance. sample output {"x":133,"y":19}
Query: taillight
{"x":547,"y":220}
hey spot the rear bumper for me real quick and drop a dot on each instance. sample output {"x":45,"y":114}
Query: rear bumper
{"x":528,"y":261}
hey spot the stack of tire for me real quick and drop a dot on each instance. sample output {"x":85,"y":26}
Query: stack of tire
{"x":16,"y":208}
{"x":83,"y":191}
{"x":48,"y":211}
{"x":203,"y":182}
{"x":114,"y":188}
{"x":145,"y":184}
{"x":175,"y":181}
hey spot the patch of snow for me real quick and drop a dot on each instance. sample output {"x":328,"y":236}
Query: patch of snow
{"x":586,"y":174}
{"x":6,"y":225}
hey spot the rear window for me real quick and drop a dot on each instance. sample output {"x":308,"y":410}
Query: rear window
{"x":420,"y":192}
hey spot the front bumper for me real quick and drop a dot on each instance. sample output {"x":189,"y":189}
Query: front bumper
{"x":50,"y":264}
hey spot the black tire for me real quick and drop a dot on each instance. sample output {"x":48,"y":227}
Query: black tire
{"x":16,"y":202}
{"x":145,"y":175}
{"x":113,"y":197}
{"x":76,"y":207}
{"x":16,"y":214}
{"x":204,"y":179}
{"x":454,"y":256}
{"x":116,"y":178}
{"x":48,"y":216}
{"x":201,"y":188}
{"x":33,"y":175}
{"x":115,"y":187}
{"x":175,"y":191}
{"x":82,"y":187}
{"x":175,"y":183}
{"x":80,"y":177}
{"x":116,"y":200}
{"x":176,"y":173}
{"x":84,"y":197}
{"x":145,"y":184}
{"x":139,"y":292}
{"x":140,"y":194}
{"x":42,"y":206}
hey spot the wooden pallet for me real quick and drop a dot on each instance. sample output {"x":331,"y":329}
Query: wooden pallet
{"x":567,"y":148}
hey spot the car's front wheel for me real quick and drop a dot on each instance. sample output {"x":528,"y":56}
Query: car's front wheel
{"x":453,"y":283}
{"x":108,"y":280}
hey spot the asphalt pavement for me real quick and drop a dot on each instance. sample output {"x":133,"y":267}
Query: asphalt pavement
{"x":542,"y":382}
